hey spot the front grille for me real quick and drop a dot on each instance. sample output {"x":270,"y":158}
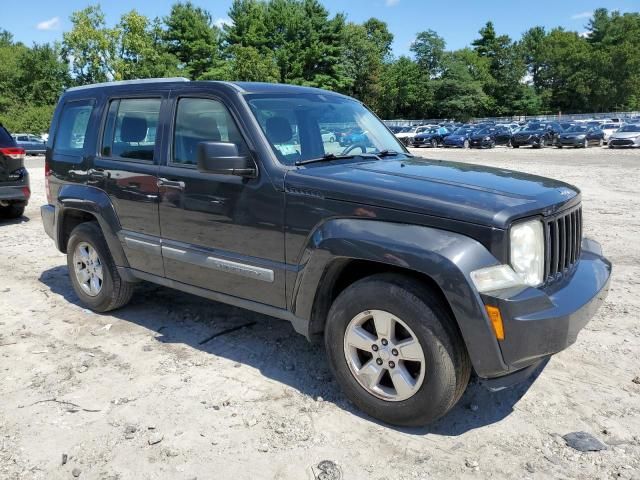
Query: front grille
{"x":563,"y":233}
{"x":621,"y":142}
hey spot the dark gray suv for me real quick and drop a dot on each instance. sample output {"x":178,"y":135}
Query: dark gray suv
{"x":413,"y":272}
{"x":14,"y":178}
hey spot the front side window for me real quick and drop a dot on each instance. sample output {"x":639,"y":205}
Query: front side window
{"x":130,"y":133}
{"x":306,"y":126}
{"x":72,"y":128}
{"x":201,"y":120}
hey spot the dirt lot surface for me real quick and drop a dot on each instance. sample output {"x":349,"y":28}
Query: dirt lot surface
{"x":138,"y":395}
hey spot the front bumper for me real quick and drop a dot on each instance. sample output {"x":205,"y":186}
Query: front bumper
{"x":539,"y":322}
{"x":520,"y":142}
{"x":623,"y":142}
{"x":48,"y":214}
{"x":480,"y":143}
{"x":571,"y":142}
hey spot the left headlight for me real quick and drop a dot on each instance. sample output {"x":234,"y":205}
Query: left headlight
{"x":527,"y":251}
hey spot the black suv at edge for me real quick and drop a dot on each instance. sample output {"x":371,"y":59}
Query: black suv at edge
{"x":14,"y":178}
{"x":413,"y":272}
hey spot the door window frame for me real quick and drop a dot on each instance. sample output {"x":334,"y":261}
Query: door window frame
{"x":157,"y":151}
{"x":174,"y":118}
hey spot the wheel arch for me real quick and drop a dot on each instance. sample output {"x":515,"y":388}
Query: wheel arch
{"x":77,"y":204}
{"x":343,"y":251}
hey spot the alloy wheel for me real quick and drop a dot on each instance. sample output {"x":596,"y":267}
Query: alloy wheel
{"x":384,"y":355}
{"x":88,"y":269}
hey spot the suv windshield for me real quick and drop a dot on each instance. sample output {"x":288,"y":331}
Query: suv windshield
{"x":293,"y":126}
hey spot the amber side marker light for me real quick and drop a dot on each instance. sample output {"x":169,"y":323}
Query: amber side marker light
{"x":496,"y":321}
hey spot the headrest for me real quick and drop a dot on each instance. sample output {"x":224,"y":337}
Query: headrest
{"x":133,"y":129}
{"x":278,"y":130}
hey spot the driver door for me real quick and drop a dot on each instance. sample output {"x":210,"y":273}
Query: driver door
{"x":219,"y":232}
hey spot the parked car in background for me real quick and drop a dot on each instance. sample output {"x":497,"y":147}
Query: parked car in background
{"x":536,"y":135}
{"x":32,"y":144}
{"x":581,"y":136}
{"x":355,"y":136}
{"x":407,"y":135}
{"x":328,"y":136}
{"x":627,"y":136}
{"x":433,"y":137}
{"x":608,"y":129}
{"x":14,"y":178}
{"x":459,"y":138}
{"x":490,"y":137}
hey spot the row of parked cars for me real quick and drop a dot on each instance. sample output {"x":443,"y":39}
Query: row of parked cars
{"x":537,"y":134}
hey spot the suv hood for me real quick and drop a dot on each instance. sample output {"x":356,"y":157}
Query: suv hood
{"x":470,"y":193}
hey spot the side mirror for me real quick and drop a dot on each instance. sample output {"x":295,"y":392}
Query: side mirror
{"x":223,"y":158}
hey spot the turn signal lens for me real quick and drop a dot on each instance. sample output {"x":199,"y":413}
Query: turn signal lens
{"x":496,"y":321}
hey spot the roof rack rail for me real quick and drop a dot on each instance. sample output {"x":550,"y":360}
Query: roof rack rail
{"x":129,"y":82}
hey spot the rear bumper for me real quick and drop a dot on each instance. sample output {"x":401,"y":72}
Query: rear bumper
{"x":539,"y":322}
{"x":17,"y":191}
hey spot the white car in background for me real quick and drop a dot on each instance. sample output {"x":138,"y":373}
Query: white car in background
{"x":609,"y":129}
{"x":627,"y":136}
{"x":407,"y":134}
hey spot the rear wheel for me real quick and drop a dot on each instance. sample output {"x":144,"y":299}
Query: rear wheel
{"x":395,"y":350}
{"x":93,"y":273}
{"x":14,"y":210}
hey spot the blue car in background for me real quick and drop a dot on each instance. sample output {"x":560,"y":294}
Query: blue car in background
{"x":354,"y":137}
{"x":459,"y":138}
{"x":32,"y":144}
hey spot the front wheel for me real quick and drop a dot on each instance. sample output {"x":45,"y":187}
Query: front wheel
{"x":395,"y":350}
{"x":93,"y":273}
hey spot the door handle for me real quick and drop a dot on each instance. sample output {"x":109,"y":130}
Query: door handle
{"x":164,"y":182}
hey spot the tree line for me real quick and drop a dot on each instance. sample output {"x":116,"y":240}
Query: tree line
{"x":300,"y":42}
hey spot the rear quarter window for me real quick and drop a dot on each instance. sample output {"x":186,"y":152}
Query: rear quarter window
{"x":6,"y":140}
{"x":72,"y":128}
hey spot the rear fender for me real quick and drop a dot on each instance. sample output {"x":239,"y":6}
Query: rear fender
{"x":97,"y":203}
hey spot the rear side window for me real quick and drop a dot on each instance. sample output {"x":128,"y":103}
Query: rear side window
{"x":6,"y":140}
{"x":72,"y":128}
{"x":130,"y":132}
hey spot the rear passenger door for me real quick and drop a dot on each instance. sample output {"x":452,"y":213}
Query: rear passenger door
{"x":219,"y":232}
{"x":126,"y":168}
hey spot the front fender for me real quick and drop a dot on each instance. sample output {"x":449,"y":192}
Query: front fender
{"x":97,"y":203}
{"x":446,"y":257}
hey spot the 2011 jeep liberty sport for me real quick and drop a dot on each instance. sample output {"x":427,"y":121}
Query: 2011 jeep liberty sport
{"x":412,"y":271}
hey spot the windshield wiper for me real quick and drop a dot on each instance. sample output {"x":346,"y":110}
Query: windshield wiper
{"x":327,"y":157}
{"x":332,"y":156}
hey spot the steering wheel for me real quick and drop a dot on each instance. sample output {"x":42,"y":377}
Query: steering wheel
{"x":353,"y":147}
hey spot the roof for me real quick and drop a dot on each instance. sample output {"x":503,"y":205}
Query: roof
{"x":242,"y":87}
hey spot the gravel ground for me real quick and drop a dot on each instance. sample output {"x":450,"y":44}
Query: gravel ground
{"x":136,"y":395}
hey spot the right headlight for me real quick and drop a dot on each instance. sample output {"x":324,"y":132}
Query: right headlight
{"x":527,"y":251}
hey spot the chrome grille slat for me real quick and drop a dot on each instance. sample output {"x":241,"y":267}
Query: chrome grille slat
{"x":563,"y":239}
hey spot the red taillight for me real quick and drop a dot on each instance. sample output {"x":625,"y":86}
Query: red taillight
{"x":26,"y":192}
{"x":16,"y":153}
{"x":47,"y":174}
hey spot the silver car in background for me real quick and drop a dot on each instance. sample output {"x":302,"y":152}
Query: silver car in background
{"x":626,"y":136}
{"x":32,"y":144}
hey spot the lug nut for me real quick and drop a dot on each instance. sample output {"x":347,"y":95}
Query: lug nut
{"x":394,"y":352}
{"x":379,"y":361}
{"x":392,"y":365}
{"x":374,"y":347}
{"x":384,"y":341}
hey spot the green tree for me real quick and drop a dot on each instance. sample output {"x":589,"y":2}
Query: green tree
{"x":90,"y":47}
{"x":429,"y":49}
{"x":41,"y":75}
{"x":192,"y":37}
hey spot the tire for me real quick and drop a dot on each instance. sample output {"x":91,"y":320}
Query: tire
{"x":15,"y":210}
{"x":515,"y":146}
{"x":465,"y":144}
{"x":114,"y":292}
{"x":446,"y":367}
